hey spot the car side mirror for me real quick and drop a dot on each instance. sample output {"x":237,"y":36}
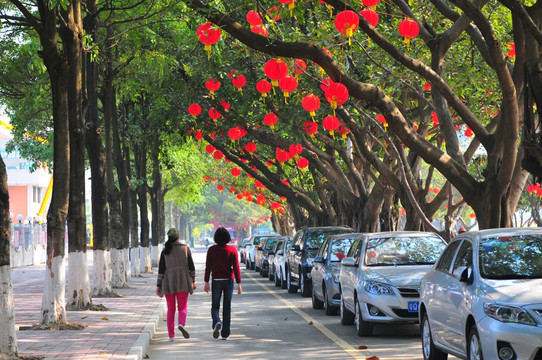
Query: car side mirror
{"x":348,"y":261}
{"x":319,"y":259}
{"x":464,"y":274}
{"x":296,"y":248}
{"x":280,"y":252}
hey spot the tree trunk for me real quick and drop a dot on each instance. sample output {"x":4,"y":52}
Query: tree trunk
{"x":157,"y":205}
{"x":78,"y":281}
{"x":8,"y":335}
{"x":140,"y":155}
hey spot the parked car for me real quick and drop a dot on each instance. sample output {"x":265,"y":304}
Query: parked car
{"x":271,"y":257}
{"x":250,"y":249}
{"x":326,"y":270}
{"x":380,"y":277}
{"x":483,"y":298}
{"x":305,"y":245}
{"x":242,"y":246}
{"x":262,"y":254}
{"x":280,"y":263}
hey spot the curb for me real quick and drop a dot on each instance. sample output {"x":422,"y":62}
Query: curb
{"x":138,"y":350}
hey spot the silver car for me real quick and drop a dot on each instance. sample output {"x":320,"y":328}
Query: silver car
{"x":279,"y":263}
{"x":483,"y":298}
{"x":380,"y":278}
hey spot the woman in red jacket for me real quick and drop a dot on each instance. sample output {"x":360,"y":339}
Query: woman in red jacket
{"x":222,"y":265}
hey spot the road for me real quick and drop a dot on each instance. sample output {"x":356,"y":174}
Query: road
{"x":269,"y":323}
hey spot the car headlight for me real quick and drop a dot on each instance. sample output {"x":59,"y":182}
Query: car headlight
{"x":378,"y":288}
{"x":508,"y":314}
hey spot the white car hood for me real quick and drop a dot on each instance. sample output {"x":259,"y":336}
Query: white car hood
{"x":524,"y":291}
{"x":397,"y":275}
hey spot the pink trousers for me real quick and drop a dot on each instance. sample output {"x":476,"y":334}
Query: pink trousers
{"x":182,"y":301}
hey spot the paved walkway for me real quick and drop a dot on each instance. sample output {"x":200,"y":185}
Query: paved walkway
{"x":122,"y":332}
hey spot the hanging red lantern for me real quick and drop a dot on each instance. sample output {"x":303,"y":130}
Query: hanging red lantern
{"x":381,"y":119}
{"x":239,"y":196}
{"x":275,"y":70}
{"x":371,"y":16}
{"x":290,"y":3}
{"x":324,"y":84}
{"x":194,"y":110}
{"x":263,"y":87}
{"x":270,"y":120}
{"x":511,"y":51}
{"x":275,"y":206}
{"x":282,"y":156}
{"x":346,"y":22}
{"x":214,"y":114}
{"x":238,"y":82}
{"x":210,"y":149}
{"x":343,"y":130}
{"x":274,"y":13}
{"x":370,"y":3}
{"x":311,"y":103}
{"x":208,"y":34}
{"x":302,"y":163}
{"x":427,"y":86}
{"x":218,"y":155}
{"x":225,"y":104}
{"x":198,"y":135}
{"x":288,"y":84}
{"x":331,"y":123}
{"x":310,"y":128}
{"x":409,"y":29}
{"x":212,"y":86}
{"x":254,"y":18}
{"x":434,"y":117}
{"x":299,"y":66}
{"x":468,"y":132}
{"x":336,"y":94}
{"x":220,"y":188}
{"x":260,"y":30}
{"x":251,"y":147}
{"x":234,"y":134}
{"x":260,"y":200}
{"x":235,"y":171}
{"x":295,"y":150}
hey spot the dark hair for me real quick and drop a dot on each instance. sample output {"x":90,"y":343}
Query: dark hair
{"x":172,"y":236}
{"x":222,"y":236}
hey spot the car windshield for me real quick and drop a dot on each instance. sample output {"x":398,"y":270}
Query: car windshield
{"x":270,"y":243}
{"x":511,"y":257}
{"x":339,"y":249}
{"x":315,"y":238}
{"x":404,"y":250}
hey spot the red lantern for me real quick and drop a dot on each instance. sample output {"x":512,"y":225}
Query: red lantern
{"x":194,"y":110}
{"x":310,"y":128}
{"x":254,"y":18}
{"x":299,"y":66}
{"x":468,"y":132}
{"x":381,"y":119}
{"x":302,"y":163}
{"x":511,"y":50}
{"x":347,"y":22}
{"x":295,"y":150}
{"x":259,"y":185}
{"x":235,"y":171}
{"x":336,"y":94}
{"x":234,"y":134}
{"x":263,"y":87}
{"x":343,"y":130}
{"x":371,"y":16}
{"x":260,"y":199}
{"x":225,"y":104}
{"x":409,"y":29}
{"x":275,"y":70}
{"x":214,"y":114}
{"x":218,"y":155}
{"x":270,"y":120}
{"x":331,"y":123}
{"x":434,"y":117}
{"x":238,"y":82}
{"x":251,"y":147}
{"x":325,"y":83}
{"x":370,"y":3}
{"x":212,"y":86}
{"x":274,"y":13}
{"x":288,"y":84}
{"x":282,"y":156}
{"x":198,"y":135}
{"x":275,"y":206}
{"x":311,"y":103}
{"x":290,"y":3}
{"x":208,"y":34}
{"x":260,"y":30}
{"x":239,"y":196}
{"x":210,"y":149}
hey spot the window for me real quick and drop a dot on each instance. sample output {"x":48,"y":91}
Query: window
{"x":464,"y":256}
{"x":339,"y":249}
{"x":36,"y":194}
{"x":447,"y":256}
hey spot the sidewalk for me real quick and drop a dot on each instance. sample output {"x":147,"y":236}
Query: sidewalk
{"x":122,"y":332}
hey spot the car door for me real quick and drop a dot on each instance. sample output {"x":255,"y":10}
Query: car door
{"x":437,"y":288}
{"x":294,"y":255}
{"x":348,"y":277}
{"x":318,"y":270}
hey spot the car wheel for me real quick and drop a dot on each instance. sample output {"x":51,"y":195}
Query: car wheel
{"x":256,"y":268}
{"x":316,"y":303}
{"x":292,"y":289}
{"x":330,"y":310}
{"x":474,"y":346}
{"x":277,"y":279}
{"x":252,"y":266}
{"x":363,"y":328}
{"x":283,"y":283}
{"x":247,"y":264}
{"x":430,"y":352}
{"x":347,"y":317}
{"x":270,"y":274}
{"x":304,"y":286}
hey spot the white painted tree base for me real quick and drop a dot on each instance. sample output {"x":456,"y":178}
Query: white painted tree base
{"x":101,"y":285}
{"x":118,"y":265}
{"x":134,"y":256}
{"x":145,"y":260}
{"x":8,"y":336}
{"x":53,"y":306}
{"x":155,"y":255}
{"x":127,"y":265}
{"x":78,"y":297}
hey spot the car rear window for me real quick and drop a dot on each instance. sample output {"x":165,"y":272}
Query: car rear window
{"x":315,"y":239}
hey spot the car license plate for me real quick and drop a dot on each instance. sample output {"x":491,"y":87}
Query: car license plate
{"x":413,"y":306}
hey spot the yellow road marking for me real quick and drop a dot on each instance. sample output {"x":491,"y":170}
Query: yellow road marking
{"x":354,"y":353}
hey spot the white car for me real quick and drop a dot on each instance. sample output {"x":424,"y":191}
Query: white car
{"x":279,"y":263}
{"x":250,"y":249}
{"x":380,"y":277}
{"x":483,"y":298}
